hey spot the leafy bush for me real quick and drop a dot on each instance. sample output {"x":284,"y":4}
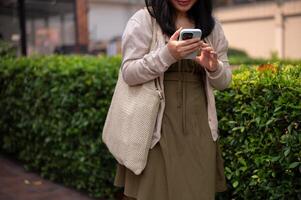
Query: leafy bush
{"x":242,"y":60}
{"x":239,"y":60}
{"x":7,"y":49}
{"x":240,"y":57}
{"x":53,"y":110}
{"x":260,"y":128}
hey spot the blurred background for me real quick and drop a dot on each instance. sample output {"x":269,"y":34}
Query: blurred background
{"x":261,"y":28}
{"x":54,"y":107}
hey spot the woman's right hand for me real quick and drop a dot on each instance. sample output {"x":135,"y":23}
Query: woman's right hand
{"x":180,"y":49}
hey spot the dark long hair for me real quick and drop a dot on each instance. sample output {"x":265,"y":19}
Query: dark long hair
{"x":164,"y":13}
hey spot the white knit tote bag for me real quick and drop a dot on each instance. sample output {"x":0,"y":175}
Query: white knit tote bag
{"x":131,"y":119}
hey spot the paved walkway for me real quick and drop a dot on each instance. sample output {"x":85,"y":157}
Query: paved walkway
{"x":17,"y":184}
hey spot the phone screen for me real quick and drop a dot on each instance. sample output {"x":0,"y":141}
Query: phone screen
{"x":187,"y":36}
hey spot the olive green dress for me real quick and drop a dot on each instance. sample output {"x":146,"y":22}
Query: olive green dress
{"x":186,"y":164}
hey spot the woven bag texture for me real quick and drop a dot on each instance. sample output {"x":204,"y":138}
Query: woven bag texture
{"x":131,"y":119}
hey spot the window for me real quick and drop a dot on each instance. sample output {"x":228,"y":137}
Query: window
{"x":50,"y":24}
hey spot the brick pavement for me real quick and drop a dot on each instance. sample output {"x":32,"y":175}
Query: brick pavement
{"x":18,"y":184}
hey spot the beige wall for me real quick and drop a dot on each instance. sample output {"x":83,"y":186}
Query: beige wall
{"x":263,"y":28}
{"x":293,"y":36}
{"x":256,"y":37}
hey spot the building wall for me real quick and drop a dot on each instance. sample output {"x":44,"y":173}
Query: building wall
{"x":293,"y":36}
{"x":263,"y":28}
{"x":107,"y":19}
{"x":256,"y":37}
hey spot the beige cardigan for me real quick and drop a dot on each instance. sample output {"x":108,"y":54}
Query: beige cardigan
{"x":139,"y":65}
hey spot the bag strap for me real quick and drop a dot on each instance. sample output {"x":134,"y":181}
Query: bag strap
{"x":153,"y":44}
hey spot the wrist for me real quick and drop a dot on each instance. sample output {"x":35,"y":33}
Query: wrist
{"x":213,"y":69}
{"x":217,"y":72}
{"x":168,"y":55}
{"x":173,"y":51}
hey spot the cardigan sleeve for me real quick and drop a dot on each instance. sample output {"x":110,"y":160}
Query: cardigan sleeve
{"x":138,"y":64}
{"x":221,"y":78}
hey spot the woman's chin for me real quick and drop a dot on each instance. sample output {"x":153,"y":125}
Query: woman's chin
{"x":183,"y":5}
{"x":183,"y":9}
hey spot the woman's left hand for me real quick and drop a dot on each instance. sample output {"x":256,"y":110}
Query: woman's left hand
{"x":207,"y":57}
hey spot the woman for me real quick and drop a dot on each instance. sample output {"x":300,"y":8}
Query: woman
{"x":184,"y":162}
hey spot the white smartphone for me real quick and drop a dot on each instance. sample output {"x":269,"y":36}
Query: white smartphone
{"x":188,"y":34}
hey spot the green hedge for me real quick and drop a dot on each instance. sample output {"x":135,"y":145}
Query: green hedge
{"x":243,"y":60}
{"x":260,"y":128}
{"x":240,"y":57}
{"x":7,"y":49}
{"x":52,"y":113}
{"x":53,"y":109}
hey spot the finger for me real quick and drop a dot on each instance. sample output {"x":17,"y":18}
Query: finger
{"x":190,"y":41}
{"x":206,"y":53}
{"x":197,"y":59}
{"x":185,"y":53}
{"x":176,"y":34}
{"x":194,"y":46}
{"x":213,"y":54}
{"x":209,"y":49}
{"x":205,"y":45}
{"x":187,"y":43}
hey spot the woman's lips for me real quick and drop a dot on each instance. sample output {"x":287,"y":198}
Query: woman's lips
{"x":183,"y":2}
